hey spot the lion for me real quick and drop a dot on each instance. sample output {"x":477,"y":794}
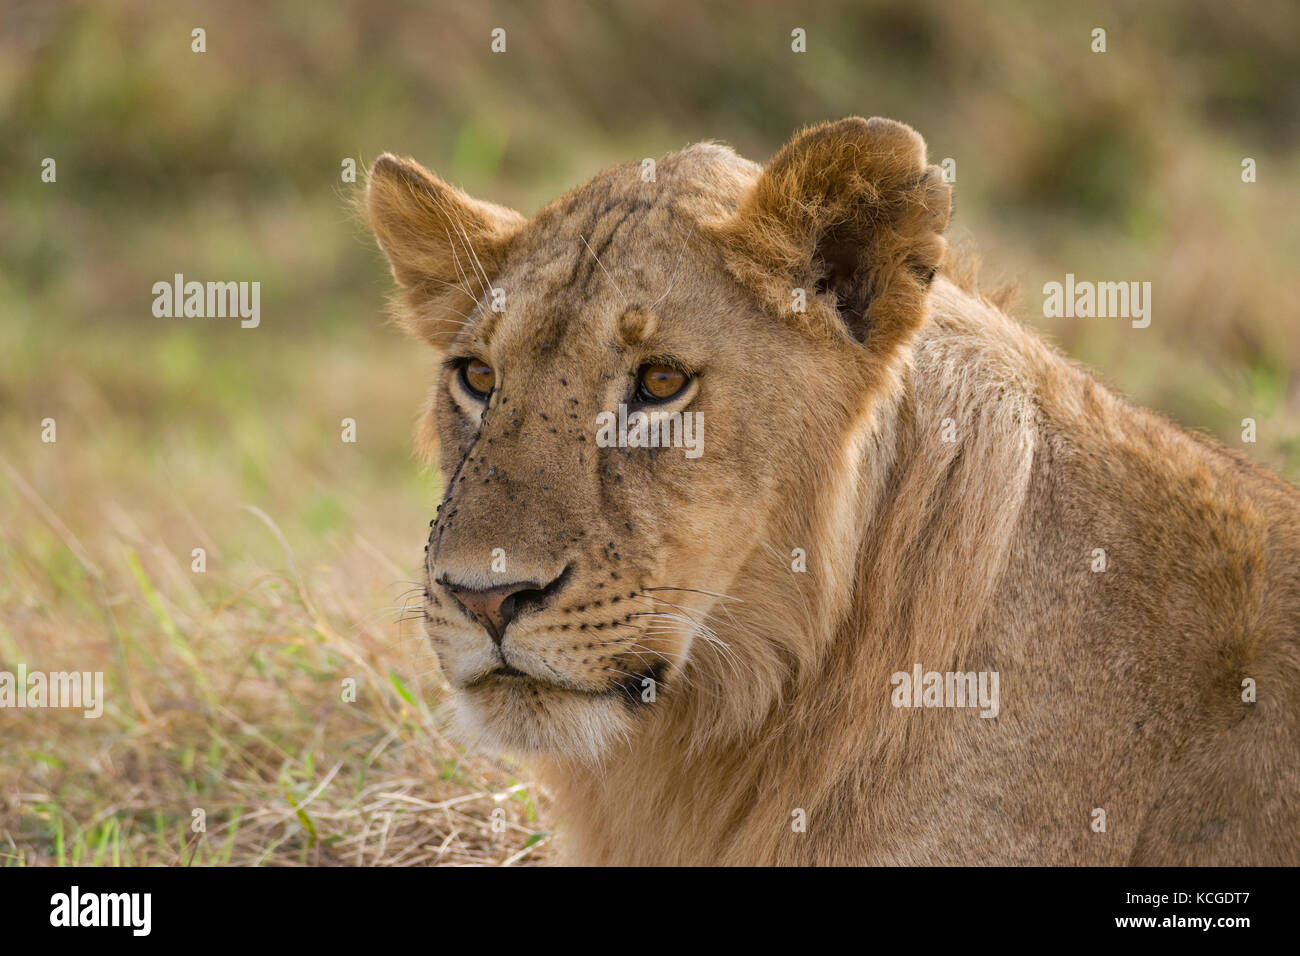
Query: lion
{"x":926,"y":593}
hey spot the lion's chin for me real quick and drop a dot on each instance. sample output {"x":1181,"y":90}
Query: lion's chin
{"x":526,"y":719}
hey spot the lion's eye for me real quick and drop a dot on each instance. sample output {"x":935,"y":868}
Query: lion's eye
{"x":658,"y":383}
{"x":478,"y":378}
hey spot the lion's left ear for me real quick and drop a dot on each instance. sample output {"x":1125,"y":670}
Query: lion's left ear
{"x":850,"y":213}
{"x":444,"y":247}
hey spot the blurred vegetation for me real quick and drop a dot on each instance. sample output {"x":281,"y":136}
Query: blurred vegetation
{"x":225,"y":165}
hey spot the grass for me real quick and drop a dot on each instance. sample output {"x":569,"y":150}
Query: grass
{"x":226,"y":688}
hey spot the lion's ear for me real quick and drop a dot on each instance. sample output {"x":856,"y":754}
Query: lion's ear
{"x":850,"y":213}
{"x":444,"y":246}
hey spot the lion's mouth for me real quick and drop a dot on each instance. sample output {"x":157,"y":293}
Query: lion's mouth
{"x":508,"y":674}
{"x":628,"y":688}
{"x":505,"y":670}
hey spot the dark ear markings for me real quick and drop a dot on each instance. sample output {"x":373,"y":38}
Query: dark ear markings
{"x":841,"y":277}
{"x":924,"y":273}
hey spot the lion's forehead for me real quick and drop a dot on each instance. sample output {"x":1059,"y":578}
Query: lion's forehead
{"x":629,"y":223}
{"x":606,"y":243}
{"x":631,"y":237}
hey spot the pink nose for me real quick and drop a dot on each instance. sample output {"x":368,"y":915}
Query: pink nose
{"x":496,"y":607}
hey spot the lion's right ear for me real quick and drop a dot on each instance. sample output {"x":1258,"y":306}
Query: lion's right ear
{"x":444,"y":246}
{"x":850,"y":215}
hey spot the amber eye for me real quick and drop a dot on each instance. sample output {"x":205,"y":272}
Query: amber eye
{"x":477,"y":377}
{"x":658,"y":383}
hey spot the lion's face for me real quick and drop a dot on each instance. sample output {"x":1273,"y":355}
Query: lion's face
{"x":618,"y":415}
{"x":609,"y":558}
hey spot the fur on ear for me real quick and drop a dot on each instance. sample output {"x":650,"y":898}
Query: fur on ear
{"x":851,"y":213}
{"x":444,"y":246}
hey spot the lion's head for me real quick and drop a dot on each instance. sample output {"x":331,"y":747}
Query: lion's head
{"x":758,"y":316}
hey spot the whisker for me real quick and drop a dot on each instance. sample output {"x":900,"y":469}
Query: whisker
{"x":602,"y":267}
{"x":673,"y":278}
{"x":724,"y":597}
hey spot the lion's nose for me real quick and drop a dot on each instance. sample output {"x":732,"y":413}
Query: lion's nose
{"x":496,"y":607}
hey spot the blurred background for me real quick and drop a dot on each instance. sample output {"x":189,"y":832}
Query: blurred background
{"x":225,"y":686}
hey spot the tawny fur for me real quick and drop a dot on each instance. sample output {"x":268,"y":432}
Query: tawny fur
{"x":1121,"y":690}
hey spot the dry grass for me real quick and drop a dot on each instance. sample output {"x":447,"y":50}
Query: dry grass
{"x":225,"y":688}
